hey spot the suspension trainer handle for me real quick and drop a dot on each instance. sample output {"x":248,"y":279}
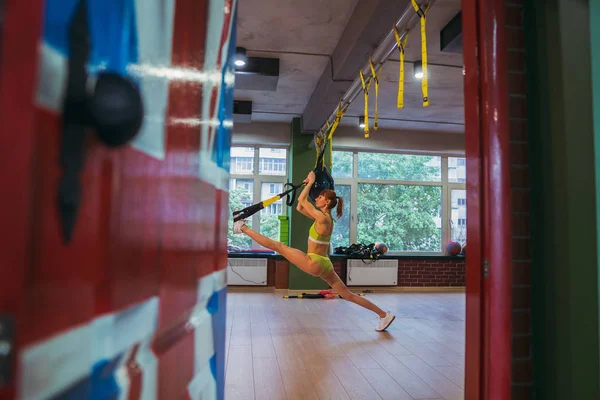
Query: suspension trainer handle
{"x":254,"y":208}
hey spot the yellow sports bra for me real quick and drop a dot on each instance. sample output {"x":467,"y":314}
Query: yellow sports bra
{"x":314,"y":236}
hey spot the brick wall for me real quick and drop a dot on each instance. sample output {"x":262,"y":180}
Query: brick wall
{"x":431,"y":273}
{"x":422,"y":272}
{"x":520,"y":192}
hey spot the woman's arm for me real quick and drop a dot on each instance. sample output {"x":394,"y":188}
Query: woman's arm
{"x":307,"y":208}
{"x":308,"y":182}
{"x":303,"y":211}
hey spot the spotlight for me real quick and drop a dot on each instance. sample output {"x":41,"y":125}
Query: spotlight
{"x":240,"y":59}
{"x":361,"y":121}
{"x":418,"y":66}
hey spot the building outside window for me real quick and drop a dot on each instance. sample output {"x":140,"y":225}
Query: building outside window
{"x":257,"y":174}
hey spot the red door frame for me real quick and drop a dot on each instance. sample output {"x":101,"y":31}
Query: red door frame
{"x":20,"y":38}
{"x":488,"y":299}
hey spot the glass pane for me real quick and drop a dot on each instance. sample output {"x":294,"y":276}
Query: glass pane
{"x":240,"y":196}
{"x":341,"y":228}
{"x":406,"y":218}
{"x":458,"y":214}
{"x":242,"y":161}
{"x":342,"y":164}
{"x":457,"y":170}
{"x":272,"y":162}
{"x":399,"y":167}
{"x":269,"y":223}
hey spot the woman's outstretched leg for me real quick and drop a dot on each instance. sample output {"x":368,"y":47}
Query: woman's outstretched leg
{"x":295,"y":256}
{"x":385,"y":318}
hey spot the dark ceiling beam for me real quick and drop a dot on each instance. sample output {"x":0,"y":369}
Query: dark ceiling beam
{"x":366,"y":28}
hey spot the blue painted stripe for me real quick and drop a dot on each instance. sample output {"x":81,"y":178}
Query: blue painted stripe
{"x":217,"y":306}
{"x":101,"y":384}
{"x":222,"y":143}
{"x":113,"y":31}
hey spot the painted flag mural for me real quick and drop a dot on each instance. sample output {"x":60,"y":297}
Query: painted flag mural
{"x":134,"y":306}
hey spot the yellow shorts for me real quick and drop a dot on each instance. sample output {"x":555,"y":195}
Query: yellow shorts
{"x":324,"y":262}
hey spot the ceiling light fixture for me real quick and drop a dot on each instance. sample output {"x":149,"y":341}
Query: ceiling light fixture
{"x":361,"y":121}
{"x":418,"y":66}
{"x":240,"y":59}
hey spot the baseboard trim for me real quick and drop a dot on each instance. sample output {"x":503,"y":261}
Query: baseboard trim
{"x":397,"y":289}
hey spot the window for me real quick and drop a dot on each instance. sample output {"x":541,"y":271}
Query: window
{"x":343,"y":164}
{"x":399,"y":167}
{"x":402,"y":200}
{"x":405,"y":217}
{"x":241,"y":195}
{"x":257,"y":174}
{"x":341,"y":228}
{"x":458,"y":215}
{"x":269,"y":223}
{"x":457,"y":171}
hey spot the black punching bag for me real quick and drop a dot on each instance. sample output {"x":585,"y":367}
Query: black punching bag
{"x":323,"y":179}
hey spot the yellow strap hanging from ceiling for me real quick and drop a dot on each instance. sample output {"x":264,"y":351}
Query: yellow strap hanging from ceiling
{"x":401,"y":47}
{"x":375,"y":77}
{"x":421,"y":14}
{"x":366,"y":90}
{"x":331,"y":127}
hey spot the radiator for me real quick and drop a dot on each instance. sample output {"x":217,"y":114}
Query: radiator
{"x":372,"y":273}
{"x":247,"y":271}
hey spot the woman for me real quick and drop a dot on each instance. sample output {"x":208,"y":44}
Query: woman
{"x":316,"y":262}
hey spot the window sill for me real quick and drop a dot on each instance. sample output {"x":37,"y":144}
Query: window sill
{"x":344,"y":257}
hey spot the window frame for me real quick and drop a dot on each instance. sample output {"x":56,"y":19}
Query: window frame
{"x":259,"y":179}
{"x":443,"y":183}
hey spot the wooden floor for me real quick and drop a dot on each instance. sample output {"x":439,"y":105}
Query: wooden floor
{"x":328,"y":349}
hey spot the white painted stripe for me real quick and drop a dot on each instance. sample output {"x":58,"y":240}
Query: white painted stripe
{"x":149,"y":366}
{"x":116,"y":333}
{"x":317,"y":241}
{"x":122,"y":377}
{"x":55,"y":364}
{"x":51,"y":78}
{"x":203,"y":386}
{"x":210,"y":172}
{"x":204,"y":347}
{"x":220,"y":278}
{"x":154,"y":20}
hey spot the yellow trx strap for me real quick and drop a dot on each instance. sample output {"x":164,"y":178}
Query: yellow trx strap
{"x":366,"y":90}
{"x":331,"y":127}
{"x":401,"y":47}
{"x":375,"y":77}
{"x":421,"y":14}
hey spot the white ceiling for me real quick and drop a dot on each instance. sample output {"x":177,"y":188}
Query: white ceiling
{"x":281,"y":29}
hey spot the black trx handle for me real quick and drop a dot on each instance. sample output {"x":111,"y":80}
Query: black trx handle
{"x":113,"y":108}
{"x":254,"y":208}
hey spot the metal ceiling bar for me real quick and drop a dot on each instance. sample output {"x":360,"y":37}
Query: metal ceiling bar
{"x":405,"y":24}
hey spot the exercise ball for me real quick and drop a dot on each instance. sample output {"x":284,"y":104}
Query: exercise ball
{"x":453,"y":248}
{"x":381,"y":247}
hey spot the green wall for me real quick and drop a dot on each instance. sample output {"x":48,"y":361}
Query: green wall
{"x":595,"y":47}
{"x":302,"y":161}
{"x":564,"y":230}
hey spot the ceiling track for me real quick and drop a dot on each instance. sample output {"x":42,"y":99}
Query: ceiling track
{"x":405,"y":24}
